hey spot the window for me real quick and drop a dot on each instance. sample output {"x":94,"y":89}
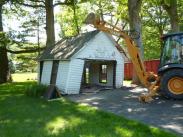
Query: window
{"x":103,"y":74}
{"x":87,"y":75}
{"x":173,"y":50}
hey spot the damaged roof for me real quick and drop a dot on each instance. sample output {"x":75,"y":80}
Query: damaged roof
{"x":67,"y":47}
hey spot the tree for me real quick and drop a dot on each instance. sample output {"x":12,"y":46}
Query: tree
{"x":33,"y":26}
{"x":71,"y":19}
{"x":155,"y":16}
{"x":48,"y":5}
{"x":155,"y":24}
{"x":171,"y":8}
{"x":4,"y":69}
{"x":104,"y":8}
{"x":5,"y":41}
{"x":134,"y":7}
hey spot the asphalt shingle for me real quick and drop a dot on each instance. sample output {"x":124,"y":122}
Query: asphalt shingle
{"x":67,"y":47}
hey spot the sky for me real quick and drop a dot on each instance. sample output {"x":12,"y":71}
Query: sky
{"x":13,"y":23}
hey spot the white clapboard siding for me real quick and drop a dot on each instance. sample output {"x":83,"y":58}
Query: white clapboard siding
{"x":119,"y":75}
{"x":75,"y":76}
{"x":101,"y":47}
{"x":109,"y":75}
{"x":62,"y":75}
{"x":69,"y":75}
{"x":46,"y":72}
{"x":119,"y":71}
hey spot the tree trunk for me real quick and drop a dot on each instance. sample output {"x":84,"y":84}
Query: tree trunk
{"x":50,"y":30}
{"x":134,"y":7}
{"x":4,"y":69}
{"x":75,"y":19}
{"x":171,"y":9}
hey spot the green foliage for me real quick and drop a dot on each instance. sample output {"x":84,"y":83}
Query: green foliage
{"x":155,"y":23}
{"x":71,"y":18}
{"x":4,"y":39}
{"x":152,"y":43}
{"x":33,"y":25}
{"x":122,"y":9}
{"x":25,"y":62}
{"x":35,"y":90}
{"x":103,"y":7}
{"x":69,"y":21}
{"x":12,"y":67}
{"x":25,"y":37}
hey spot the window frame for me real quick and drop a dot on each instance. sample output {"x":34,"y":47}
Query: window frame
{"x":101,"y":74}
{"x":87,"y":76}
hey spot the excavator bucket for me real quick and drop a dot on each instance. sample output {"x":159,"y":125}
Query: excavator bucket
{"x":92,"y":19}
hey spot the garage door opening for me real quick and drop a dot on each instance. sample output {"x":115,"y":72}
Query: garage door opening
{"x":98,"y":75}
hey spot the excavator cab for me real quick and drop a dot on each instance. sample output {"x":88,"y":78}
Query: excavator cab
{"x":171,"y":66}
{"x":172,"y":52}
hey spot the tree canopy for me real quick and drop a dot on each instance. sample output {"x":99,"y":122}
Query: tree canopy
{"x":28,"y":26}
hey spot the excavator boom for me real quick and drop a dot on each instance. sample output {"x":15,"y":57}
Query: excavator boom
{"x":133,"y":52}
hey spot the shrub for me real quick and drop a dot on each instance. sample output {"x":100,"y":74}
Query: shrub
{"x":35,"y":90}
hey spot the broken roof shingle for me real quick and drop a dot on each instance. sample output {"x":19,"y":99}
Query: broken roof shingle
{"x":66,"y":48}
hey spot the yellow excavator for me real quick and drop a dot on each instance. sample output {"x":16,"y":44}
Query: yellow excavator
{"x":169,"y":80}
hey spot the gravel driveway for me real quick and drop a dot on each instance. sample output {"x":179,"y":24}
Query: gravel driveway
{"x":167,"y":114}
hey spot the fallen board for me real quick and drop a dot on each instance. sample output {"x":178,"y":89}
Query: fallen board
{"x":51,"y":92}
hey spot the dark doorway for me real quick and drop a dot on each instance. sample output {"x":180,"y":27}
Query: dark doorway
{"x":98,"y":75}
{"x":54,"y":72}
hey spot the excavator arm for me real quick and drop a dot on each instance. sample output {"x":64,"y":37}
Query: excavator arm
{"x":133,"y":52}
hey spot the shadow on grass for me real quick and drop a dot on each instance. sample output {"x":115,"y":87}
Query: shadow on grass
{"x":22,"y":116}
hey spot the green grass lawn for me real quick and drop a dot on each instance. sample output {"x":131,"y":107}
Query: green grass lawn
{"x":22,"y":116}
{"x":22,"y":77}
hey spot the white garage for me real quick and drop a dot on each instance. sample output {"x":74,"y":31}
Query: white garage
{"x":87,"y":59}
